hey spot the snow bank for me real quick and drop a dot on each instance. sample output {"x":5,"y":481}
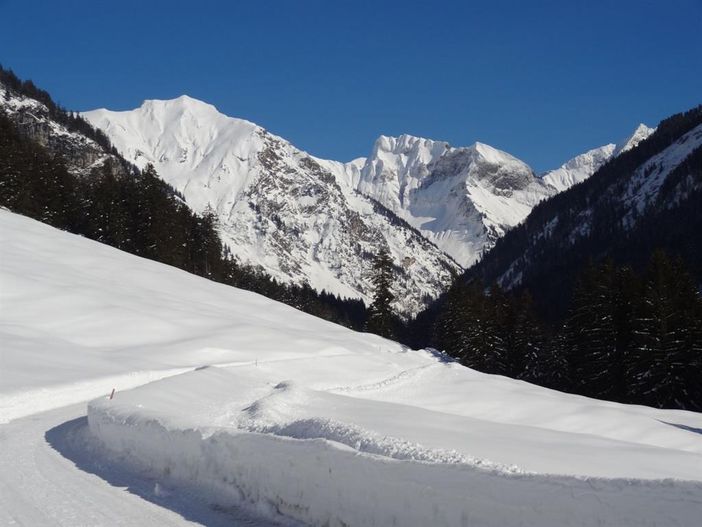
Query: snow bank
{"x":304,"y":416}
{"x":321,"y":481}
{"x":333,"y":458}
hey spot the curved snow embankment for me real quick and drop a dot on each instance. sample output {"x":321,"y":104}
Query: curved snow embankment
{"x":324,"y":482}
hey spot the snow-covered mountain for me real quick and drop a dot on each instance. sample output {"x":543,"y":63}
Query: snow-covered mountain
{"x":304,"y":219}
{"x":462,"y":199}
{"x":307,"y":219}
{"x":579,"y":168}
{"x":644,"y":198}
{"x":642,"y":132}
{"x":278,"y":207}
{"x":584,"y":165}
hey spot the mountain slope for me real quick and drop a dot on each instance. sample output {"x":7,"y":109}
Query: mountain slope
{"x":646,"y":198}
{"x":319,"y":421}
{"x":43,"y":175}
{"x":579,"y":168}
{"x":462,"y":199}
{"x":585,"y":165}
{"x":277,"y":207}
{"x":82,"y":149}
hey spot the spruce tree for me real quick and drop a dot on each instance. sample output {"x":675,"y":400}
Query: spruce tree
{"x":598,"y":333}
{"x":381,"y":319}
{"x":666,"y":368}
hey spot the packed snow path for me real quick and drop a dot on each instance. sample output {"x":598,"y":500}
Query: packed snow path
{"x":264,"y":409}
{"x":49,"y":478}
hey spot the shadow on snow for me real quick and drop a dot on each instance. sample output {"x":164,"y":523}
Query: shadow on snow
{"x":72,"y":440}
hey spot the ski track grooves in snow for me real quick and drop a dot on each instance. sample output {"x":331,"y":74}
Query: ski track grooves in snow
{"x":403,"y":376}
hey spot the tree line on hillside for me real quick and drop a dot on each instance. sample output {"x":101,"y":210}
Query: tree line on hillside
{"x":593,"y":220}
{"x":627,"y":337}
{"x":141,"y":214}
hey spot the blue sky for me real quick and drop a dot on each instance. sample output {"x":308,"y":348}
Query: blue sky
{"x":543,"y":80}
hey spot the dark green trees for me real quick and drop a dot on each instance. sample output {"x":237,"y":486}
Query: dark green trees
{"x":598,"y":332}
{"x":32,"y":181}
{"x":628,"y":338}
{"x":381,"y":319}
{"x":490,"y":331}
{"x":665,"y":369}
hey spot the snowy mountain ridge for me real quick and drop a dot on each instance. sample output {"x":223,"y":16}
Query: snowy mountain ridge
{"x":297,"y":216}
{"x":462,"y":199}
{"x":278,"y":207}
{"x":307,"y":220}
{"x":581,"y":167}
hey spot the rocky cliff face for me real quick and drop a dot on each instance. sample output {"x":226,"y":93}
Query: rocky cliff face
{"x":278,"y":207}
{"x":34,"y":120}
{"x":461,"y":199}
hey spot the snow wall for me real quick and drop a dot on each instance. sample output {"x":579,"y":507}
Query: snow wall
{"x":320,"y":482}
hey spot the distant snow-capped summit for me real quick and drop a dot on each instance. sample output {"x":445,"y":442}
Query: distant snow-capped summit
{"x":305,"y":219}
{"x":584,"y":165}
{"x":278,"y":208}
{"x":642,"y":132}
{"x":462,"y":199}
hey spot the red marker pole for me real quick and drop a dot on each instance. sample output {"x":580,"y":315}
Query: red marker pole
{"x":112,"y":394}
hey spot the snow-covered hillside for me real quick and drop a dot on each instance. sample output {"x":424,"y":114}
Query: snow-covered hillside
{"x":296,"y":416}
{"x":579,"y":168}
{"x":584,"y":165}
{"x":278,"y":207}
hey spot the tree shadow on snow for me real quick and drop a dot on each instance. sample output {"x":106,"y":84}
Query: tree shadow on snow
{"x":440,"y":355}
{"x":683,"y":427}
{"x":73,"y":441}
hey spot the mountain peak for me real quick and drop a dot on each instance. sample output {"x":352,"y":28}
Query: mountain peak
{"x":183,"y":103}
{"x":640,"y":133}
{"x":405,"y":143}
{"x":494,"y":156}
{"x":584,"y":165}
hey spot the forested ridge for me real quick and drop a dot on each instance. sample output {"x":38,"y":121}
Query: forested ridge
{"x":547,"y":251}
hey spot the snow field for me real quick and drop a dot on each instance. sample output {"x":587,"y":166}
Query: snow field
{"x":408,"y":436}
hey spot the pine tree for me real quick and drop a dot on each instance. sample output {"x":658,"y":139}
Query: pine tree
{"x":598,"y":332}
{"x":527,"y":346}
{"x":381,"y":319}
{"x":451,"y":322}
{"x":666,"y":368}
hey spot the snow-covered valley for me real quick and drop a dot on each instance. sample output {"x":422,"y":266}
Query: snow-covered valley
{"x":263,"y":414}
